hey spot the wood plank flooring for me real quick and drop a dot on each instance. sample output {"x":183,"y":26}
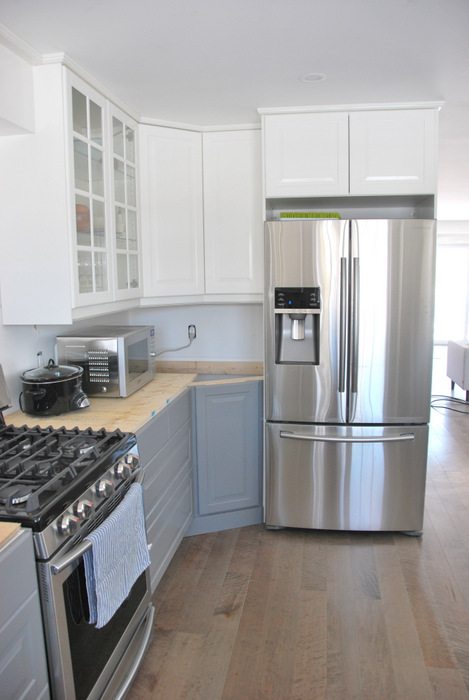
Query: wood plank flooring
{"x":251,"y":614}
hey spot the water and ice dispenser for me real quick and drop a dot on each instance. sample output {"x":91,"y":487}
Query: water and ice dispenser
{"x":297,"y":314}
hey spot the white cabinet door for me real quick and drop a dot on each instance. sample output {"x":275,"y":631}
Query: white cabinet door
{"x":89,"y":196}
{"x":393,"y":151}
{"x":171,"y":211}
{"x":124,"y":214}
{"x":306,"y":155}
{"x":233,"y":220}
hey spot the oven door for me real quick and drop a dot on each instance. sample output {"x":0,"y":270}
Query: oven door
{"x":86,"y":663}
{"x":135,"y":362}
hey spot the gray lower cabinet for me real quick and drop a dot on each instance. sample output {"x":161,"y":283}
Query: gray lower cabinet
{"x":228,"y":463}
{"x":23,"y":667}
{"x":165,"y":448}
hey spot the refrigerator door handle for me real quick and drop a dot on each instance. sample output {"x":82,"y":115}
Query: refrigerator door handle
{"x":355,"y":322}
{"x":342,"y":323}
{"x":329,"y":438}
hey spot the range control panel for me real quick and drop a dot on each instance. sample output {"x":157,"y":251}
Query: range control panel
{"x":297,"y":298}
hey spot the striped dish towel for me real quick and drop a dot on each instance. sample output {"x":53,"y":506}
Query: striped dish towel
{"x":117,"y":557}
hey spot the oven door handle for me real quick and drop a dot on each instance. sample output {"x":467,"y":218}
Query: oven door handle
{"x":76,"y":553}
{"x":69,"y":558}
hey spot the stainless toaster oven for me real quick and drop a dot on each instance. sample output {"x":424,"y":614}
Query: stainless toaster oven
{"x":117,"y":360}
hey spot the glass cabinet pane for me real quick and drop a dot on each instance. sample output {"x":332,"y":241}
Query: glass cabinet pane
{"x":79,"y":113}
{"x":121,"y":241}
{"x":99,"y":236}
{"x":133,"y":271}
{"x":132,"y":229}
{"x":118,"y":137}
{"x":100,"y":271}
{"x":130,"y":144}
{"x":131,"y":195}
{"x":119,"y":181}
{"x":85,"y":272}
{"x":80,"y":160}
{"x":122,"y":272}
{"x":82,"y":220}
{"x":97,"y":178}
{"x":96,"y":123}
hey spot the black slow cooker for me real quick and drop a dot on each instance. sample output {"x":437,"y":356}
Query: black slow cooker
{"x":53,"y":389}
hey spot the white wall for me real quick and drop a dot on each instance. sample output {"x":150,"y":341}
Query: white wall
{"x":228,"y":332}
{"x":19,"y":346}
{"x":224,"y":332}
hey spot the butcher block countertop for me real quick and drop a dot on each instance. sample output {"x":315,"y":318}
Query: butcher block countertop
{"x":7,"y":532}
{"x":127,"y":414}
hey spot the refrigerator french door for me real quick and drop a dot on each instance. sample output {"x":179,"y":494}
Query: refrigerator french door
{"x":348,"y":357}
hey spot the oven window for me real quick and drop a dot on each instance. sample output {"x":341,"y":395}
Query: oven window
{"x":91,"y":648}
{"x":137,"y":359}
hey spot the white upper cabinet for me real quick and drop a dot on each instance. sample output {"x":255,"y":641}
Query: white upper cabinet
{"x":172,"y":213}
{"x":306,"y":154}
{"x":91,"y":224}
{"x":70,"y":206}
{"x":124,"y":213}
{"x":233,"y":220}
{"x":393,"y":152}
{"x":202,"y":221}
{"x":356,"y":152}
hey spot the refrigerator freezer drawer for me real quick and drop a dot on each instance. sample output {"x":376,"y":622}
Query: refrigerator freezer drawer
{"x":345,"y":478}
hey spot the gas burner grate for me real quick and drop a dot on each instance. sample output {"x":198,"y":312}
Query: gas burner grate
{"x":39,"y":467}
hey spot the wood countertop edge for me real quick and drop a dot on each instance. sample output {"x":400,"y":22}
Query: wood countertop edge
{"x":8,"y":532}
{"x":130,"y":414}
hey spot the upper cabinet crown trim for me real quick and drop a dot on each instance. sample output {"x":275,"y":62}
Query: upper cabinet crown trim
{"x":351,"y":108}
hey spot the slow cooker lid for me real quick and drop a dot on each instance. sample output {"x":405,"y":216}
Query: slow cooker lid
{"x":51,"y":373}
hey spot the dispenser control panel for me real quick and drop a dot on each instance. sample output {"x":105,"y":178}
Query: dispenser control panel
{"x":297,"y":298}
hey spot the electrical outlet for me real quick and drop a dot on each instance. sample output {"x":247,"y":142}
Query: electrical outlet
{"x":191,"y":332}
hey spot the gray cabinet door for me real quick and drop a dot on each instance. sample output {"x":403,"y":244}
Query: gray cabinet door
{"x":23,"y":670}
{"x":229,"y":454}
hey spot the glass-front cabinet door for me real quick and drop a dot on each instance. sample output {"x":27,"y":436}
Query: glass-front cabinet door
{"x":124,"y":205}
{"x":89,"y":175}
{"x":104,"y":198}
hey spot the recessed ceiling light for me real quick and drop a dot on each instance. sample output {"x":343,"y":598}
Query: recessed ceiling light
{"x":312,"y":77}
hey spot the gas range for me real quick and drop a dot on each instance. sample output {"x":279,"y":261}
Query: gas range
{"x":56,"y":481}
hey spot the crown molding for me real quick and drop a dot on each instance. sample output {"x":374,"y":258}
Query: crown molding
{"x":20,"y":47}
{"x":372,"y":106}
{"x":150,"y":121}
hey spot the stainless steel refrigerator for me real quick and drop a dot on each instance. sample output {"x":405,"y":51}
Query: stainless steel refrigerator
{"x":348,"y":357}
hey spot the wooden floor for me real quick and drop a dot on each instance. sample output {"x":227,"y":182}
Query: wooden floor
{"x":250,"y":614}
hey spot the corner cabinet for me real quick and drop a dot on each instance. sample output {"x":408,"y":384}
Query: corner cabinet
{"x":355,"y":152}
{"x":172,"y":213}
{"x":228,"y":444}
{"x":23,"y":666}
{"x":71,"y":214}
{"x":202,"y":216}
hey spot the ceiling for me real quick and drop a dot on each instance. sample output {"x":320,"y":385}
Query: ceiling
{"x":213,"y":62}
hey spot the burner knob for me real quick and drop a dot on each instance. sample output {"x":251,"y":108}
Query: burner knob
{"x":104,"y":488}
{"x":132,"y":460}
{"x":83,"y":509}
{"x":67,"y":524}
{"x":123,"y":469}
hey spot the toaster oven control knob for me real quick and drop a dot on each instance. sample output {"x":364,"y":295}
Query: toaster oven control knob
{"x":83,"y":509}
{"x":104,"y":488}
{"x":122,"y":469}
{"x":68,"y":524}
